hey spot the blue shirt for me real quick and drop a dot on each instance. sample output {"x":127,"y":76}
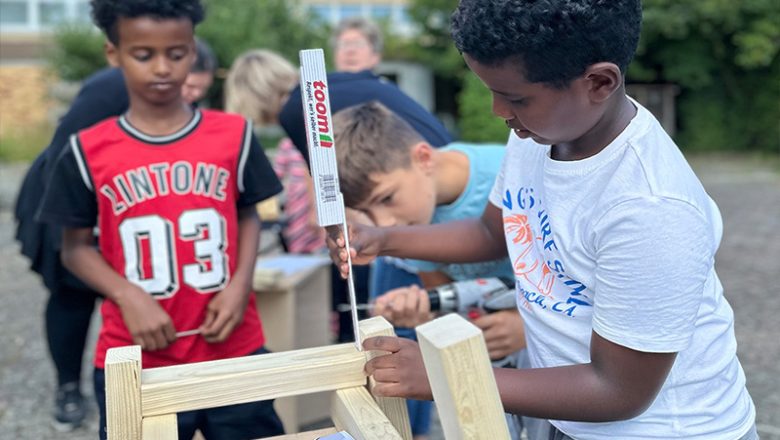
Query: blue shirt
{"x":348,"y":89}
{"x":484,"y":164}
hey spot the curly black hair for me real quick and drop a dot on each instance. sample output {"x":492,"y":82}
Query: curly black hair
{"x":106,"y":13}
{"x":554,"y":40}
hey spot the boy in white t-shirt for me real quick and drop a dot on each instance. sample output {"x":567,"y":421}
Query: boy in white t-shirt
{"x":611,"y":235}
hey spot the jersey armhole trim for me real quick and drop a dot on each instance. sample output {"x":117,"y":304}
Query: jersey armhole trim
{"x":78,"y":154}
{"x":244,"y":155}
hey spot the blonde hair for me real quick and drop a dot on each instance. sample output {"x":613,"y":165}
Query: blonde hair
{"x":258,"y":84}
{"x":370,"y":139}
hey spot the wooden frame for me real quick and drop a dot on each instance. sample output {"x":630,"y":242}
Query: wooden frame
{"x":142,"y":404}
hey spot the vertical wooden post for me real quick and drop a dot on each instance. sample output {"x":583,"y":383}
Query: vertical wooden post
{"x":123,"y":393}
{"x":394,"y":407}
{"x":462,"y":380}
{"x":163,"y":427}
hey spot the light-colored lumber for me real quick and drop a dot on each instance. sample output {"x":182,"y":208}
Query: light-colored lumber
{"x":123,"y":393}
{"x":308,"y":435}
{"x":355,"y":411}
{"x":462,"y":380}
{"x":251,"y":378}
{"x":394,"y":407}
{"x":162,"y":427}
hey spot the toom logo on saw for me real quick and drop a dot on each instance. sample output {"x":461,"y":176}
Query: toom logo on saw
{"x":322,"y":114}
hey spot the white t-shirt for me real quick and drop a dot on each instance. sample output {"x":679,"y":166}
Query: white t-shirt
{"x":623,"y":243}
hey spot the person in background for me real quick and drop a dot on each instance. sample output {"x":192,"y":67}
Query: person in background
{"x":357,"y":45}
{"x":71,"y":303}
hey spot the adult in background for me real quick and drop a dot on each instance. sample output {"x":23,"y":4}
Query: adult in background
{"x":71,"y":303}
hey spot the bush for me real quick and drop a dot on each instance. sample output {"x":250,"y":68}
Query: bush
{"x":477,"y":121}
{"x":77,"y":52}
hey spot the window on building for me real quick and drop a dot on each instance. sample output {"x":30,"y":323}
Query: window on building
{"x":381,"y":12}
{"x":323,"y":12}
{"x":13,"y":12}
{"x":51,"y":12}
{"x":83,"y":11}
{"x":347,"y":11}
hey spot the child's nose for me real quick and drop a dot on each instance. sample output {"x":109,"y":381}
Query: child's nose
{"x":501,"y":108}
{"x":162,"y":67}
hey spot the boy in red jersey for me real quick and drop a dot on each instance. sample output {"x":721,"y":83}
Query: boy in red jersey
{"x":172,"y":190}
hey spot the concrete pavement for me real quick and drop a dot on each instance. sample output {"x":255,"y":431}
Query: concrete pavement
{"x":747,"y":191}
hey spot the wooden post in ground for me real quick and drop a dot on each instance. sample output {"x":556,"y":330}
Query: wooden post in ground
{"x":123,"y":393}
{"x":462,"y":380}
{"x":394,"y":407}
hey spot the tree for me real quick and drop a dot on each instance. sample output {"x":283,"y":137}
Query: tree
{"x":722,"y":53}
{"x":284,"y":26}
{"x":724,"y":57}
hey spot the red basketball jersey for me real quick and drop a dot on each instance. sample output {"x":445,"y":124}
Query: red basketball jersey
{"x":168,"y":222}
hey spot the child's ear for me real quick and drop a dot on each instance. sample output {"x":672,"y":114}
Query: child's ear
{"x":603,"y":79}
{"x":422,"y":155}
{"x":111,"y":52}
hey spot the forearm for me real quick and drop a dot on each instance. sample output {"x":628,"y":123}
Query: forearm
{"x":465,"y":241}
{"x":574,"y":392}
{"x":88,"y":265}
{"x":619,"y":383}
{"x":248,"y":242}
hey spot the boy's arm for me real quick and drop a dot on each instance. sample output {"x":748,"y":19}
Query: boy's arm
{"x":619,"y":383}
{"x":226,"y":310}
{"x":465,"y":241}
{"x":149,"y":325}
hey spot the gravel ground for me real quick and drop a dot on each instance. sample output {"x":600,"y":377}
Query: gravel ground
{"x":747,"y":191}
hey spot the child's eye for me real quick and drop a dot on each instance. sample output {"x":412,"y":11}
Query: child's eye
{"x":176,"y":55}
{"x":386,"y":200}
{"x":142,"y":55}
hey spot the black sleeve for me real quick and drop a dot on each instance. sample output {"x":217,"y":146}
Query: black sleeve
{"x":69,"y":200}
{"x":103,"y":95}
{"x":291,"y":120}
{"x":257,"y":180}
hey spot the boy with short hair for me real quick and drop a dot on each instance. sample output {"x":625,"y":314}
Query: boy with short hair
{"x":172,"y":190}
{"x":390,"y":173}
{"x":611,"y":236}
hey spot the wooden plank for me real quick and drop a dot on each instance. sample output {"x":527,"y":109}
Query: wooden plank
{"x":162,"y":427}
{"x":462,"y":380}
{"x":355,"y":411}
{"x":251,"y":378}
{"x":123,"y":393}
{"x":394,"y":407}
{"x":308,"y":435}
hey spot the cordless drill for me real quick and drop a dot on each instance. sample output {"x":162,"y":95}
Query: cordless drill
{"x":473,"y":297}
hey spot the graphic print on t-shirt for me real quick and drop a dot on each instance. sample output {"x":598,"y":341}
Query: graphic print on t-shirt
{"x":541,"y":278}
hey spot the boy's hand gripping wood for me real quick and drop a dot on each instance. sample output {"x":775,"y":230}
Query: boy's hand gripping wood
{"x":394,"y":407}
{"x":322,"y":153}
{"x":462,"y":380}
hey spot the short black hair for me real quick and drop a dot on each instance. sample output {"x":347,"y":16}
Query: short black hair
{"x":554,"y":40}
{"x":106,"y":13}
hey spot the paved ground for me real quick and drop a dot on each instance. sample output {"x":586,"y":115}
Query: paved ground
{"x":747,"y":191}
